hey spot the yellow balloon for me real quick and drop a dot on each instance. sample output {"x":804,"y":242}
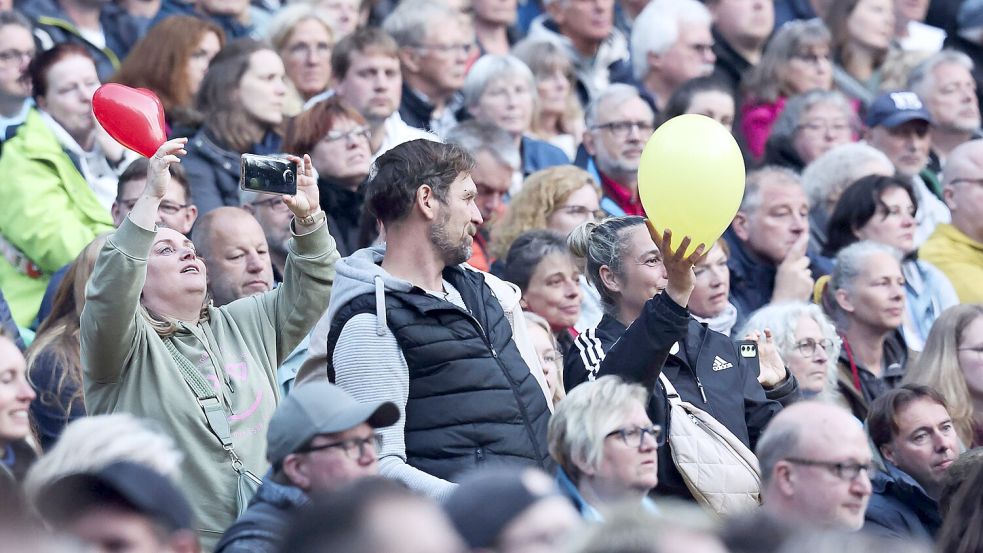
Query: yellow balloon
{"x":691,"y":179}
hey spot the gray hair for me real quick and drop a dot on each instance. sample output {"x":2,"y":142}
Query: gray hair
{"x":475,"y":137}
{"x":582,"y":420}
{"x":850,"y":263}
{"x":409,"y":22}
{"x":755,"y":179}
{"x":282,"y":25}
{"x":490,"y":68}
{"x":14,"y":17}
{"x":780,"y":440}
{"x":603,"y":244}
{"x":616,"y":93}
{"x":660,"y":21}
{"x":788,"y":122}
{"x":921,"y":79}
{"x":764,"y":82}
{"x":838,"y":168}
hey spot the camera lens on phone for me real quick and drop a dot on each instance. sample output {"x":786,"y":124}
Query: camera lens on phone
{"x":288,"y":176}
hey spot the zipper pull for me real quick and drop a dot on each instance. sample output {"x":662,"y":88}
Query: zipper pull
{"x":702,"y":393}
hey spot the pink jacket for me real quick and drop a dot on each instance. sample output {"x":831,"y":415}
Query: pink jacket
{"x":756,"y":122}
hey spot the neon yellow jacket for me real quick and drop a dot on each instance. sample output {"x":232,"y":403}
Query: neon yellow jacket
{"x":960,"y":258}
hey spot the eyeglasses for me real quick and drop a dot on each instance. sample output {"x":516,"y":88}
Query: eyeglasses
{"x":463,"y":48}
{"x":809,"y":346}
{"x":354,"y":448}
{"x":167,"y":208}
{"x":303,"y":51}
{"x":348,"y":135}
{"x":822,"y":127}
{"x":813,"y":59}
{"x":581,"y":211}
{"x":621,"y":129}
{"x":21,"y":56}
{"x":276,"y":204}
{"x":635,"y":436}
{"x":843,"y":471}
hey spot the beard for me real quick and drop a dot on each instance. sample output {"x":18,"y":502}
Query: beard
{"x":453,"y":251}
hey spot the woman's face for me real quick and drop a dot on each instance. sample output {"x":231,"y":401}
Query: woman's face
{"x":709,"y":297}
{"x":811,"y":68}
{"x":871,"y":24}
{"x":893,"y":223}
{"x":553,"y":292}
{"x":877,"y":298}
{"x":71,"y":84}
{"x":643,"y":274}
{"x":507,"y":103}
{"x":808,"y":358}
{"x":629,"y":467}
{"x":344,"y":153}
{"x":821,"y":128}
{"x":554,"y":92}
{"x":262,"y":89}
{"x":549,"y":358}
{"x":208,"y":47}
{"x":307,"y":56}
{"x":971,"y":357}
{"x":579,"y":207}
{"x":16,"y":394}
{"x":174,"y":271}
{"x":714,"y":104}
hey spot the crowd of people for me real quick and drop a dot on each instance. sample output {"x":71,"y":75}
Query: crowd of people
{"x":462,"y":332}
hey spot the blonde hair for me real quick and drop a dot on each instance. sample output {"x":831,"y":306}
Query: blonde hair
{"x":542,"y":193}
{"x":534,"y":319}
{"x":938,"y":365}
{"x":543,"y":59}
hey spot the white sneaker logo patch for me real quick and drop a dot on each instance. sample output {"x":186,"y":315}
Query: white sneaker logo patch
{"x":721,"y":364}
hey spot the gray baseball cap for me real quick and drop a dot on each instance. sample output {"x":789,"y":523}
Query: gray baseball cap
{"x":320,"y":408}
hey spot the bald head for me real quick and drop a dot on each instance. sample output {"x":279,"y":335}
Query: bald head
{"x":962,"y":187}
{"x":236,"y":254}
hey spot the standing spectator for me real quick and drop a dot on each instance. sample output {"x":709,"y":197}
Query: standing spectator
{"x":810,"y":125}
{"x":434,"y":61}
{"x":796,"y":60}
{"x":236,"y":255}
{"x":16,"y":396}
{"x":303,"y":38}
{"x":171,"y":60}
{"x":710,"y":96}
{"x":17,"y":48}
{"x":675,"y":46}
{"x":429,"y":318}
{"x":242,"y":99}
{"x":366,"y":71}
{"x":148,"y":295}
{"x":710,"y":301}
{"x":912,"y":429}
{"x":862,"y":32}
{"x":740,"y":30}
{"x":493,"y":20}
{"x":319,"y":441}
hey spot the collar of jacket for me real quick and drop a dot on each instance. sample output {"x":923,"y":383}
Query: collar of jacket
{"x":337,"y":196}
{"x":950,"y":232}
{"x":899,"y":484}
{"x":283,"y":496}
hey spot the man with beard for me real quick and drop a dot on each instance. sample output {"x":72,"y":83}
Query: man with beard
{"x":408,"y":323}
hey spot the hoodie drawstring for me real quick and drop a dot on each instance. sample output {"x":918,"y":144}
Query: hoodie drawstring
{"x":380,"y":306}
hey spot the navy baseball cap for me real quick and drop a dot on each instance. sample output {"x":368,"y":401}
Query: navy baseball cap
{"x":896,"y":108}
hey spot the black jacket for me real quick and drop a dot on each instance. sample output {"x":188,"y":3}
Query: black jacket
{"x":730,"y":65}
{"x":707,"y":369}
{"x":261,"y":528}
{"x":343,"y":208}
{"x":900,"y":509}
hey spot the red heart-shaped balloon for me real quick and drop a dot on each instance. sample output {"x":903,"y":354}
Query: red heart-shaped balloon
{"x":132,"y":116}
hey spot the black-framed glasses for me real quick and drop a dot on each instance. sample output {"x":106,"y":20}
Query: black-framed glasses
{"x":634,"y":436}
{"x":353,"y":448}
{"x":348,"y":135}
{"x":621,"y":129}
{"x":808,"y":346}
{"x":843,"y":471}
{"x":168,"y":208}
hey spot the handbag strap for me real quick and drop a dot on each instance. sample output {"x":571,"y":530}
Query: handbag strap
{"x":671,"y":394}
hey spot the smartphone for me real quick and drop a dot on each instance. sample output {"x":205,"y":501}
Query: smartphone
{"x":267,"y":175}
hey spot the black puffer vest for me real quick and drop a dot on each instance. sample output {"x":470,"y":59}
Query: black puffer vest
{"x":472,"y":399}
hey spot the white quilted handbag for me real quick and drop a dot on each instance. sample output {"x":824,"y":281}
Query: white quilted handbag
{"x":719,"y":470}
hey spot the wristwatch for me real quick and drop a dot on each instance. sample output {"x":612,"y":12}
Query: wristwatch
{"x":315,"y":218}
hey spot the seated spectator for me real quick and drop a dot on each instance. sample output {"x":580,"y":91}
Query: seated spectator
{"x":511,"y":511}
{"x":911,"y":428}
{"x":274,"y":217}
{"x":302,"y":36}
{"x":337,"y":138}
{"x":17,"y":43}
{"x":647,"y":330}
{"x":147,"y":286}
{"x":959,"y":531}
{"x":549,"y":353}
{"x":319,"y":440}
{"x":949,"y":364}
{"x":558,"y":117}
{"x":366,"y":72}
{"x":493,"y":21}
{"x":770,"y":260}
{"x":619,"y":123}
{"x":241,"y":100}
{"x":468,"y":391}
{"x":865,"y":298}
{"x":237,"y":258}
{"x":957,"y":248}
{"x":54,"y":367}
{"x":346,"y":16}
{"x":796,"y":60}
{"x":434,"y":61}
{"x":807,"y":342}
{"x":124,"y":506}
{"x":740,"y":31}
{"x":898,"y":125}
{"x":540,"y":264}
{"x":862,"y":32}
{"x":710,"y":96}
{"x":103,"y":29}
{"x":171,"y":60}
{"x":676,"y":46}
{"x":710,"y":301}
{"x":16,"y":396}
{"x":815,"y":467}
{"x":60,"y":156}
{"x":500,"y":90}
{"x":810,"y":125}
{"x":883,"y":210}
{"x":825,"y":179}
{"x":495,"y":162}
{"x":605,"y":446}
{"x":910,"y":31}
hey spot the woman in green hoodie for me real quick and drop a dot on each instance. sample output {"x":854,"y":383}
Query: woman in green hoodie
{"x":150,"y":338}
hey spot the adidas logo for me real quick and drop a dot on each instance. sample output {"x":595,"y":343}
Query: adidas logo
{"x":720,"y":364}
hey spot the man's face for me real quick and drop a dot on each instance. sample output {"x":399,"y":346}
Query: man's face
{"x":907,"y":145}
{"x":744,"y":21}
{"x":274,"y":216}
{"x":584,"y":21}
{"x":492,"y":179}
{"x":952,"y":100}
{"x":780,"y":219}
{"x":964,"y":196}
{"x":372,"y":85}
{"x":910,"y":10}
{"x":691,"y":56}
{"x":174,"y":211}
{"x":110,"y":529}
{"x":619,"y":136}
{"x":239,"y":261}
{"x":326,"y":470}
{"x":457,"y":221}
{"x":925,"y":443}
{"x":16,"y":51}
{"x":443,"y":57}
